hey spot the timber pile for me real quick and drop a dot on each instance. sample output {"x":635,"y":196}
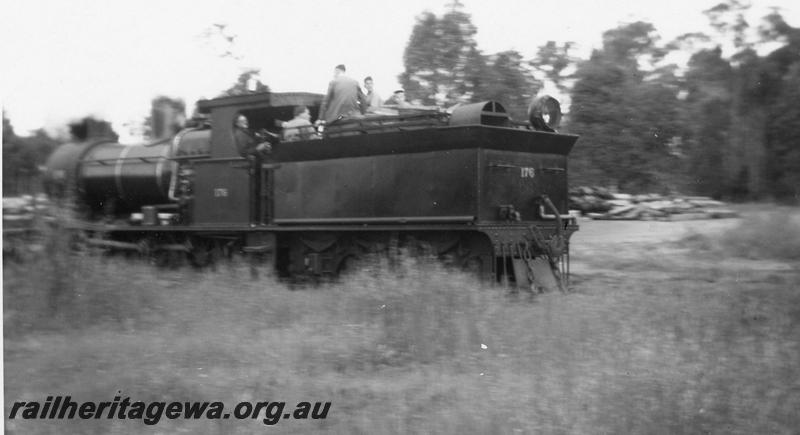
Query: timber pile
{"x":20,"y":212}
{"x":601,"y":203}
{"x":22,"y":218}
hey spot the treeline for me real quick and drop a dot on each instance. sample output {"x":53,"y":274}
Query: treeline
{"x":22,"y":157}
{"x":443,"y":66}
{"x":727,"y":125}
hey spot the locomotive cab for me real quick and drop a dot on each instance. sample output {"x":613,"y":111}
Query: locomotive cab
{"x":263,"y":112}
{"x":230,"y":187}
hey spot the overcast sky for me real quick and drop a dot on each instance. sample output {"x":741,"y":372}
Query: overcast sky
{"x":66,"y":59}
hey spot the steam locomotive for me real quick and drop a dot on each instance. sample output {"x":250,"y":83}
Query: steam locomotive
{"x":471,"y":186}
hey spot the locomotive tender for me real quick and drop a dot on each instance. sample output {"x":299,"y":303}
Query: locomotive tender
{"x":472,"y":187}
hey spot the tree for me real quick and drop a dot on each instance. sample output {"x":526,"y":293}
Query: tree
{"x":222,"y":40}
{"x":443,"y":66}
{"x":708,"y":121}
{"x":89,"y":128}
{"x":737,"y":149}
{"x":553,"y":60}
{"x":783,"y":137}
{"x":628,"y":116}
{"x":728,"y":19}
{"x":780,"y":75}
{"x":775,"y":28}
{"x":768,"y":93}
{"x":167,"y":117}
{"x":442,"y":60}
{"x":632,"y":44}
{"x":505,"y":79}
{"x":8,"y":129}
{"x":24,"y":154}
{"x":22,"y":157}
{"x":15,"y":155}
{"x":247,"y":83}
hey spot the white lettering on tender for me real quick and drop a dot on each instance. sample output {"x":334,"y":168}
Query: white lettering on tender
{"x":527,"y":172}
{"x":220,"y":192}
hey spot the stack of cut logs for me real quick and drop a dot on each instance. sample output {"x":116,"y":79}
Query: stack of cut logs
{"x":600,"y":203}
{"x":19,"y":211}
{"x":23,"y":217}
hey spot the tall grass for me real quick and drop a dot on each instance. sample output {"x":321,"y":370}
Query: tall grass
{"x":409,"y":348}
{"x":773,"y":234}
{"x":766,"y":235}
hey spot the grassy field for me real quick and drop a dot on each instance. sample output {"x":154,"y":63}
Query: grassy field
{"x":665,"y":331}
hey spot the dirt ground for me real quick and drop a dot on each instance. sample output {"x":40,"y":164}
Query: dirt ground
{"x":597,"y":234}
{"x":632,"y":241}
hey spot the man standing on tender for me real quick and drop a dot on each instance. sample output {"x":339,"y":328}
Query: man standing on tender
{"x":343,"y":99}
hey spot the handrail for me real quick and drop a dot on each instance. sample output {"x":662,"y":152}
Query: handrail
{"x":556,"y":215}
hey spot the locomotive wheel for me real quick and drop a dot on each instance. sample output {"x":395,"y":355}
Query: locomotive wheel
{"x":200,"y":258}
{"x":176,"y":259}
{"x":473,"y":265}
{"x":160,"y":258}
{"x":201,"y":255}
{"x":348,"y":264}
{"x":164,"y":258}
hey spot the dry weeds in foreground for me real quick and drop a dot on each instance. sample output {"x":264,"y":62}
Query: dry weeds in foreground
{"x":653,"y":346}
